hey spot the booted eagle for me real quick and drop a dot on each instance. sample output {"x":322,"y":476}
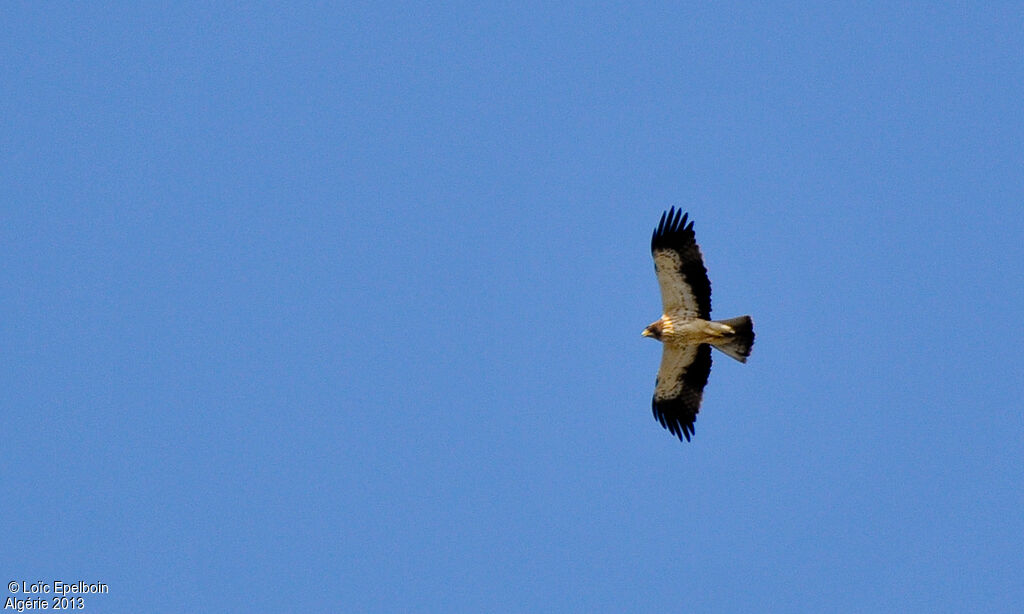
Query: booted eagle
{"x":685,"y":330}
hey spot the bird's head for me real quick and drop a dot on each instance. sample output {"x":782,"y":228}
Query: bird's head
{"x":654,"y":330}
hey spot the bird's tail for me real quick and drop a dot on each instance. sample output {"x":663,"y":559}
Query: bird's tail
{"x":738,"y":344}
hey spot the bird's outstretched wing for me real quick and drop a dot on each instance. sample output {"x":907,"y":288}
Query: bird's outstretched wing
{"x":680,"y":387}
{"x":680,"y":267}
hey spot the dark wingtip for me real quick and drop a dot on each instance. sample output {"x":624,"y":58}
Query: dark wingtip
{"x":681,"y":431}
{"x":676,"y":427}
{"x":673,"y":223}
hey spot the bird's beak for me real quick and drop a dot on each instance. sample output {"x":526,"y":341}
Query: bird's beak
{"x":646,"y":333}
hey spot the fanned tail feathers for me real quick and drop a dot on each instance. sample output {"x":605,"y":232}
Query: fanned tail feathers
{"x":739,"y":344}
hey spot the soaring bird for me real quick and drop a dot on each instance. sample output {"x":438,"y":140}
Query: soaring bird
{"x":685,"y":329}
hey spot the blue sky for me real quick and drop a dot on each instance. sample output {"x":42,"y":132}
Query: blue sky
{"x":338,"y":307}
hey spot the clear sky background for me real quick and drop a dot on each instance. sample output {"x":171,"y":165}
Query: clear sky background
{"x":337,"y":307}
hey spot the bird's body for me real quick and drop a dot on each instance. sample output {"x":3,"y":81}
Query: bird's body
{"x":685,"y":328}
{"x":680,"y":330}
